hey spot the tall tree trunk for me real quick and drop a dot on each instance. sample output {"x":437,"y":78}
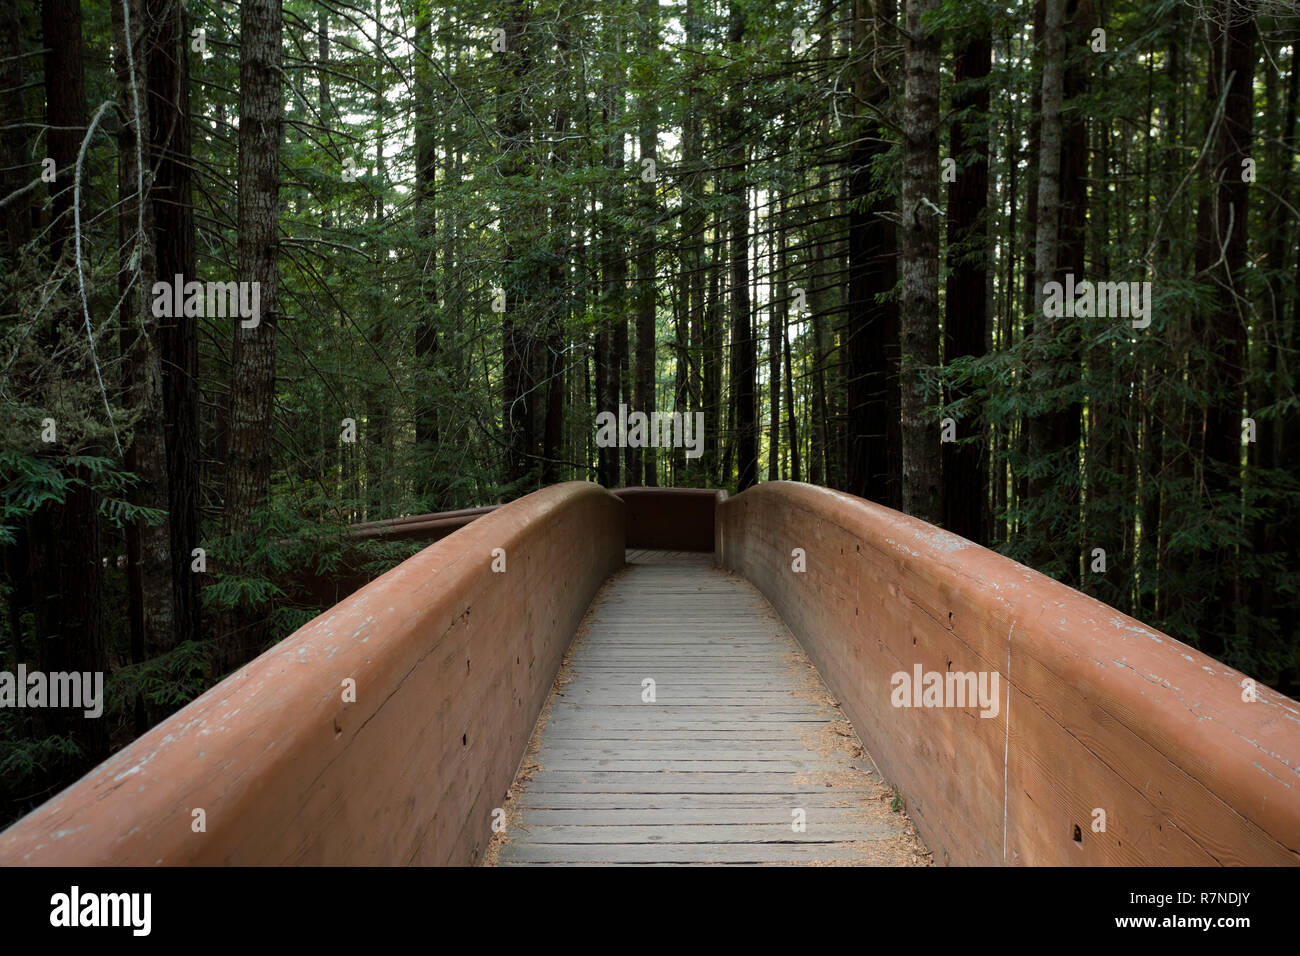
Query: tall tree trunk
{"x":557,"y":293}
{"x":623,"y":363}
{"x":1225,"y":332}
{"x":376,"y":402}
{"x":919,"y":305}
{"x":517,"y":413}
{"x":64,"y":542}
{"x":744,"y":384}
{"x":1066,"y":420}
{"x":1046,"y":259}
{"x":871,"y":331}
{"x":613,"y":279}
{"x":681,"y":377}
{"x":783,"y":298}
{"x":1023,"y":439}
{"x":430,"y":308}
{"x":713,"y":358}
{"x":693,"y":227}
{"x":818,"y":471}
{"x":1111,"y":472}
{"x":16,"y":173}
{"x":1285,"y":533}
{"x":775,"y":327}
{"x":16,"y":167}
{"x":150,"y":594}
{"x":645,"y":263}
{"x":965,"y":487}
{"x":167,"y":65}
{"x":252,"y":382}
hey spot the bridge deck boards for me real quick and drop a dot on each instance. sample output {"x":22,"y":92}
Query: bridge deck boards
{"x":741,"y":733}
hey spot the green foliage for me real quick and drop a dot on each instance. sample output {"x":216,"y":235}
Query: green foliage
{"x":29,"y":483}
{"x":165,"y":683}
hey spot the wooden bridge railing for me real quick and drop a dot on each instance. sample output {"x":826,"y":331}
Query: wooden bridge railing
{"x":1111,"y":744}
{"x":383,"y":732}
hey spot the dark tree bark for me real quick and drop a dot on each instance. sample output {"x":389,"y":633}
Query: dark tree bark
{"x":744,"y":380}
{"x":713,"y":357}
{"x":518,"y":415}
{"x":557,"y":296}
{"x":376,"y":433}
{"x":17,"y":172}
{"x":150,"y":591}
{"x":606,"y":398}
{"x":783,"y":299}
{"x":1065,"y":423}
{"x":693,"y":227}
{"x":919,"y":299}
{"x":16,"y":168}
{"x":1047,"y":252}
{"x":1226,"y":330}
{"x":775,"y":327}
{"x":873,"y":467}
{"x":167,"y":65}
{"x":1289,"y":446}
{"x":252,"y":382}
{"x":1022,"y":441}
{"x":1284,"y":534}
{"x":792,"y":422}
{"x":64,"y":542}
{"x":614,"y":281}
{"x":426,"y":334}
{"x":965,"y":487}
{"x":818,"y":470}
{"x":647,"y":294}
{"x":623,"y":360}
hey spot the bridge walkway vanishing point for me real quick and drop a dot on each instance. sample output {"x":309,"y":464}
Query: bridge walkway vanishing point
{"x":741,"y":756}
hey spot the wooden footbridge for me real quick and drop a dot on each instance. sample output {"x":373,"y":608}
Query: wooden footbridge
{"x":789,"y":676}
{"x":689,"y":727}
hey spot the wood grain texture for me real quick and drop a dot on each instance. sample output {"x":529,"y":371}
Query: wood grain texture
{"x":741,"y":733}
{"x":1097,"y":711}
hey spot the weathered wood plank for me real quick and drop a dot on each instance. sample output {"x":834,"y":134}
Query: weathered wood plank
{"x":530,"y":800}
{"x":520,"y":852}
{"x":620,"y":818}
{"x":663,"y":763}
{"x":742,"y":733}
{"x":750,"y":750}
{"x":686,"y":833}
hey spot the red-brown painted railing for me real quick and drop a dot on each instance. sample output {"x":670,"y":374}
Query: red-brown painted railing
{"x":1102,"y":722}
{"x":451,"y":661}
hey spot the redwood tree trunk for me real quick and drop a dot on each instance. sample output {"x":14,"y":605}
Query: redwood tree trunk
{"x":744,"y":381}
{"x":150,"y":592}
{"x":517,"y":403}
{"x":645,"y":263}
{"x":426,"y":334}
{"x":965,"y":489}
{"x":167,"y":65}
{"x":252,"y":382}
{"x":871,"y":333}
{"x":919,"y":302}
{"x":1226,"y":330}
{"x":64,"y":544}
{"x":966,"y":314}
{"x":1040,"y":427}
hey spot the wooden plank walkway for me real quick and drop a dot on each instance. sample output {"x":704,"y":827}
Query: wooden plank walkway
{"x":741,"y":736}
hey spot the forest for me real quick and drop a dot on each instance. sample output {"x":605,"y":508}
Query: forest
{"x":1024,"y":269}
